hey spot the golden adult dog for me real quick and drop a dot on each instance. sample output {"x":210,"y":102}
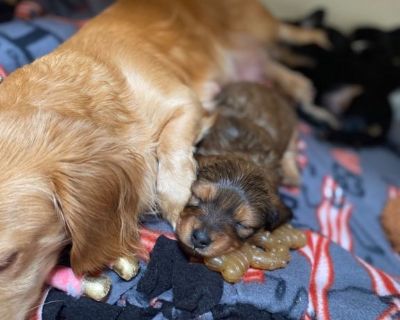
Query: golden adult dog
{"x":103,"y":129}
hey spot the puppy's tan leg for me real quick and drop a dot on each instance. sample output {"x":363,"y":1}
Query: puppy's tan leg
{"x":300,"y":89}
{"x":293,"y":83}
{"x":290,"y":170}
{"x":301,"y":36}
{"x":177,"y":167}
{"x":321,"y":115}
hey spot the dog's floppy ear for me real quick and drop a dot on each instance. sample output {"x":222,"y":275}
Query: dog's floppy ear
{"x":204,"y":190}
{"x":96,"y":194}
{"x":316,"y":19}
{"x":277,"y":215}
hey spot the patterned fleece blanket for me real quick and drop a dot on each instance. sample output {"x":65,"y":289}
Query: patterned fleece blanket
{"x":347,"y":270}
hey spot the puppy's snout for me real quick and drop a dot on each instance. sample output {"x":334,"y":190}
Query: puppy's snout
{"x":200,"y":239}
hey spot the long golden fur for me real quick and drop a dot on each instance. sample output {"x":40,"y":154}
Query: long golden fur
{"x":103,"y":129}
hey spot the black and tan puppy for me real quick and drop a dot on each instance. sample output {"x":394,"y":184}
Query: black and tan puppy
{"x":241,"y":163}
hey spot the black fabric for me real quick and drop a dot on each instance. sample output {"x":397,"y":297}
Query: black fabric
{"x":158,"y":276}
{"x":195,"y":288}
{"x":243,"y":311}
{"x":59,"y":306}
{"x":6,"y":12}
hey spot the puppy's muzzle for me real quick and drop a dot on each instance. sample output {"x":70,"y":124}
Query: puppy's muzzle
{"x":200,"y":239}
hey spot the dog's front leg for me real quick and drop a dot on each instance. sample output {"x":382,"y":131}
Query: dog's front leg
{"x":177,"y":167}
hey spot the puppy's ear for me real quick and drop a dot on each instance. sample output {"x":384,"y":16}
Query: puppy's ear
{"x":278,"y":215}
{"x":315,"y":19}
{"x":204,"y":190}
{"x":97,"y":196}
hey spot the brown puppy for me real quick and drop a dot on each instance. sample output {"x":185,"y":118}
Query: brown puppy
{"x":103,"y":129}
{"x":236,"y":192}
{"x":259,"y":123}
{"x":390,"y":222}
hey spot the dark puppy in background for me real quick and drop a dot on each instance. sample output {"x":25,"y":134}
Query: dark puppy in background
{"x":241,"y":163}
{"x":353,"y":79}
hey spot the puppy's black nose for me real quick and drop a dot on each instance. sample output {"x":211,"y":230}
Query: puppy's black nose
{"x":200,"y":239}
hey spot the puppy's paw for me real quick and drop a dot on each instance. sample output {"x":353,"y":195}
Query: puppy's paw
{"x":322,"y":40}
{"x":321,"y":115}
{"x":299,"y":88}
{"x":175,"y":178}
{"x":291,"y":176}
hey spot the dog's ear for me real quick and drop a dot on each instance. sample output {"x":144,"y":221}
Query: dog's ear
{"x":277,"y":215}
{"x":97,"y":196}
{"x":204,"y":190}
{"x":316,"y":19}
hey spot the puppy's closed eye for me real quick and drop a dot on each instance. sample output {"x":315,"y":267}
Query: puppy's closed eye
{"x":240,"y":225}
{"x":246,"y":221}
{"x":8,"y":260}
{"x":243,"y":230}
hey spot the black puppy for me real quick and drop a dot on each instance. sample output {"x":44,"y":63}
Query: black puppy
{"x":353,"y":80}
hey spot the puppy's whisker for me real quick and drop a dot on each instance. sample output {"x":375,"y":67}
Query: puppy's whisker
{"x":43,"y":304}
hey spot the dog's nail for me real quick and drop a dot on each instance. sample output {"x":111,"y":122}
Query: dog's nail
{"x":96,"y":288}
{"x":173,"y":225}
{"x":126,"y":267}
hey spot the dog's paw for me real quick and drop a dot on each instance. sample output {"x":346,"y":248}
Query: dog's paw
{"x":175,"y":178}
{"x":321,"y":115}
{"x":126,"y":267}
{"x":96,"y":288}
{"x":322,"y":40}
{"x":291,"y":176}
{"x":208,"y":93}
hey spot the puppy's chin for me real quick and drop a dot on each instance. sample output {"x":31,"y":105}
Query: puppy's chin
{"x":217,"y":250}
{"x":222,"y":242}
{"x":210,"y":252}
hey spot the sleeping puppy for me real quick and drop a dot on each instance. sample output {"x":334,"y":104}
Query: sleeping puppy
{"x":257,"y":123}
{"x":104,"y":128}
{"x":240,"y":166}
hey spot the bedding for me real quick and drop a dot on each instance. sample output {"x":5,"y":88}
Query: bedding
{"x":347,"y":270}
{"x":22,"y":41}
